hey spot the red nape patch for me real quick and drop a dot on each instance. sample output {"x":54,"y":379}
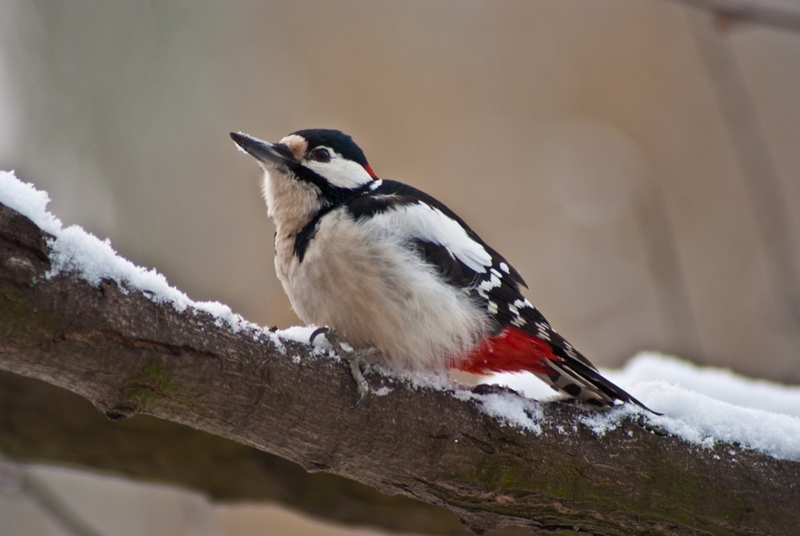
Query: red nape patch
{"x":371,"y":173}
{"x":511,"y":350}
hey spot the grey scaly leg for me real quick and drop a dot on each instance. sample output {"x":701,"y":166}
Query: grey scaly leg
{"x":355,"y":359}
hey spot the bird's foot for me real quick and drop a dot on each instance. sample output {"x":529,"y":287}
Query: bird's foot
{"x":356,"y":359}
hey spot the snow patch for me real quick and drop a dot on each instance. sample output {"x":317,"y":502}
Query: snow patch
{"x":73,"y":250}
{"x":508,"y":408}
{"x":705,"y":421}
{"x":609,"y":420}
{"x":718,"y":383}
{"x":701,"y":405}
{"x":302,"y":335}
{"x":28,"y":201}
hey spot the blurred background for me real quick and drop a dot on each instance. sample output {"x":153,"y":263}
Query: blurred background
{"x":636,"y":160}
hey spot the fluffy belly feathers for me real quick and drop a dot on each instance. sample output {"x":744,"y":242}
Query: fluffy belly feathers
{"x":369,"y":291}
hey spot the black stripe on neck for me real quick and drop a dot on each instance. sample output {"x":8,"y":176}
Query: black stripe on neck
{"x":335,"y":197}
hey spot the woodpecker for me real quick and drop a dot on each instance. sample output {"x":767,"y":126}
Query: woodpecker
{"x":389,"y":267}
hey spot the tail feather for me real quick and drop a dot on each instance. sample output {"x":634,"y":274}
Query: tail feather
{"x":567,"y":381}
{"x":588,"y":385}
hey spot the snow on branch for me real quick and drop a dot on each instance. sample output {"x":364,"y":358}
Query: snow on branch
{"x":77,"y":316}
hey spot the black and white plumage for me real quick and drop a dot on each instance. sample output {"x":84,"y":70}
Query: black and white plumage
{"x":389,"y":266}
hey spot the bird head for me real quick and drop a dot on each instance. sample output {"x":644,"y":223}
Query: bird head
{"x":308,"y":170}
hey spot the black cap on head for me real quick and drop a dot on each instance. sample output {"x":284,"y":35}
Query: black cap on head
{"x":336,"y":140}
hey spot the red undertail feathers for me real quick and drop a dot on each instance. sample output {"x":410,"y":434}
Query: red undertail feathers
{"x":515,"y":350}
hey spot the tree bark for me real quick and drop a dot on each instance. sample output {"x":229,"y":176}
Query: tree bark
{"x":42,"y":423}
{"x":129,"y":355}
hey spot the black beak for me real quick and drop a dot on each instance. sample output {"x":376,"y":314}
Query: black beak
{"x":268,"y":153}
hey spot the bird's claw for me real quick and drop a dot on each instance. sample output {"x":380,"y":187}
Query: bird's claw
{"x":356,"y":359}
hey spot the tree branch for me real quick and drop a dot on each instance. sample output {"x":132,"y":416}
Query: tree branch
{"x":778,"y":14}
{"x":42,"y":423}
{"x":129,"y":355}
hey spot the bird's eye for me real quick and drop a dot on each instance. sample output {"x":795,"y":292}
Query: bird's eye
{"x":321,"y":155}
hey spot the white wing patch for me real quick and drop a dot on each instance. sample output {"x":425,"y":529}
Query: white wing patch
{"x":430,"y":224}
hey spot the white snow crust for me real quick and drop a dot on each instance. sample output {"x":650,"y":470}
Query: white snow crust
{"x":73,"y":250}
{"x":718,"y":383}
{"x":508,"y":408}
{"x":701,"y":405}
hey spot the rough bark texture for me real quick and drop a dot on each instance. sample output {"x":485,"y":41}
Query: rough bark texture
{"x":43,"y":423}
{"x":129,"y":355}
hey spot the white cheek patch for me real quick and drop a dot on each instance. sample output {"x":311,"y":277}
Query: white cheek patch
{"x":341,"y":172}
{"x":427,"y":223}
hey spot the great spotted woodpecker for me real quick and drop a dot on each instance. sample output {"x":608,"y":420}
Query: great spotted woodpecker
{"x":390,"y":267}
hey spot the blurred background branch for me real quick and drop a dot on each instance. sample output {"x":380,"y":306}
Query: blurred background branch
{"x":780,"y":14}
{"x":769,"y":200}
{"x":17,"y":479}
